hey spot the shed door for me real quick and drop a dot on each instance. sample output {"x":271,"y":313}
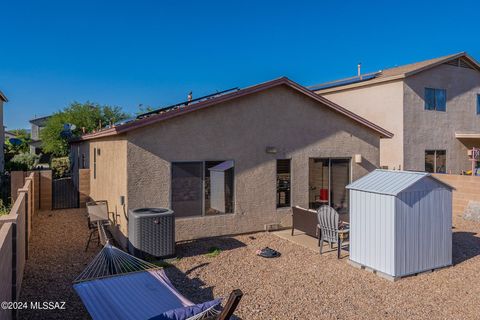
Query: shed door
{"x":187,"y":189}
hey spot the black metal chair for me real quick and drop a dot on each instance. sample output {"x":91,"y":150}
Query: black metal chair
{"x":328,"y":229}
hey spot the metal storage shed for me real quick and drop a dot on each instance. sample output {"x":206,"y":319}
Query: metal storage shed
{"x":400,"y":223}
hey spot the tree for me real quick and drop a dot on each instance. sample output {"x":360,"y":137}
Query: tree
{"x":23,"y":162}
{"x":19,"y":145}
{"x":84,"y":116}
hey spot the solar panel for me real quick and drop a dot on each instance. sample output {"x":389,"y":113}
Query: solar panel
{"x":343,"y":82}
{"x":187,"y":103}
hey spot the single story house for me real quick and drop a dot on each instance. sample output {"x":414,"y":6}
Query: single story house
{"x":232,"y":162}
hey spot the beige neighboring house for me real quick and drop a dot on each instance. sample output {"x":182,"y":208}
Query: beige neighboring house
{"x":3,"y":99}
{"x":234,"y":162}
{"x":432,"y":107}
{"x":37,"y":126}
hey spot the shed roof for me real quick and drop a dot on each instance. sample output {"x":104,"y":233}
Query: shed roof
{"x":390,"y":182}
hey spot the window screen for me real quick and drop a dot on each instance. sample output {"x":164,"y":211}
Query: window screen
{"x":187,"y":188}
{"x":478,"y":104}
{"x":435,"y":99}
{"x":283,"y":183}
{"x":429,"y":99}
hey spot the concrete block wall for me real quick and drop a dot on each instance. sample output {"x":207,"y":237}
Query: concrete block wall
{"x":17,"y":179}
{"x":46,"y":190}
{"x":41,"y":185}
{"x":466,"y":188}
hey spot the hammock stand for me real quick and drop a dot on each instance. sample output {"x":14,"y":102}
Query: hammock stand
{"x":117,"y":285}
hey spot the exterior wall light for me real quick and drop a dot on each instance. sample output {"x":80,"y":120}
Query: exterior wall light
{"x":358,"y":158}
{"x":271,"y":150}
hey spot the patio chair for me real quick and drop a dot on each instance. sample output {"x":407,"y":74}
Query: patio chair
{"x":329,"y":230}
{"x":98,"y":218}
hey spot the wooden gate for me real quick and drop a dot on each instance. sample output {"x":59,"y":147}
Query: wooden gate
{"x":64,"y":194}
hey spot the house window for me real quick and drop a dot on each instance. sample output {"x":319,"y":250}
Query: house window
{"x":478,"y":104}
{"x":283,"y":183}
{"x":435,"y":99}
{"x":83,"y":160}
{"x":436,"y":161}
{"x":202,"y":188}
{"x":94,"y":163}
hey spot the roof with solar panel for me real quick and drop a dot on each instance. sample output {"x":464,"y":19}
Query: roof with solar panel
{"x":461,"y":59}
{"x":192,"y":105}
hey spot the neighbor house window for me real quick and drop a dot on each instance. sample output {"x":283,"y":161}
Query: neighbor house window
{"x":436,"y":161}
{"x":478,"y":104}
{"x":435,"y":99}
{"x":202,"y":188}
{"x":94,"y":163}
{"x":283,"y":183}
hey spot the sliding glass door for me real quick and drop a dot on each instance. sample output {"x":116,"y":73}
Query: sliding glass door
{"x":328,"y":178}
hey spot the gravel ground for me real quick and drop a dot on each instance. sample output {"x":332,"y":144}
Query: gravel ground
{"x":300,"y":284}
{"x":56,"y":258}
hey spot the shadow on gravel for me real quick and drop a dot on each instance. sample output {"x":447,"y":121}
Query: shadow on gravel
{"x":194,"y":289}
{"x":205,"y":246}
{"x":466,"y":245}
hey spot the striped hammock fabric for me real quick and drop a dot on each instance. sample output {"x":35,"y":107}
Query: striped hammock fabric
{"x":116,"y":285}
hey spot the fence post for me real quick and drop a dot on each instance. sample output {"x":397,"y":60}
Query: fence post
{"x":27,"y":218}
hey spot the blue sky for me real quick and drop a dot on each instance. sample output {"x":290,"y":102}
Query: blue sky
{"x":128,"y":53}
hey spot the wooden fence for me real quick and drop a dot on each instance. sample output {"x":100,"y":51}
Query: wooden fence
{"x":15,"y":231}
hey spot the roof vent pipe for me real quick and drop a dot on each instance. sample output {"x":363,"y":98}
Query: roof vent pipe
{"x":359,"y":70}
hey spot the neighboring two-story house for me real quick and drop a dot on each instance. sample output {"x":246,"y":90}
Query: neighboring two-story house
{"x":36,"y":142}
{"x":432,"y":107}
{"x":3,"y":99}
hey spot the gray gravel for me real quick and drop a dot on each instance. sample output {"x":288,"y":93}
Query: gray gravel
{"x":300,"y":284}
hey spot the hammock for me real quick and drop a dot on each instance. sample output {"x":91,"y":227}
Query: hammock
{"x":117,"y":285}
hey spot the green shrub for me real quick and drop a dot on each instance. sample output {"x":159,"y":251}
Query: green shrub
{"x":23,"y":162}
{"x":60,"y":167}
{"x":4,"y":209}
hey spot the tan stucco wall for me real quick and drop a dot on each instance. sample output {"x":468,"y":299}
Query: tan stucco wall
{"x":240,"y":130}
{"x":426,"y":129}
{"x":382,"y":104}
{"x":111,"y":177}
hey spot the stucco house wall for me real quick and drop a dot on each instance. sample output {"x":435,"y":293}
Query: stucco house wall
{"x":382,"y":104}
{"x":108,"y":177}
{"x":240,"y":130}
{"x":435,"y":130}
